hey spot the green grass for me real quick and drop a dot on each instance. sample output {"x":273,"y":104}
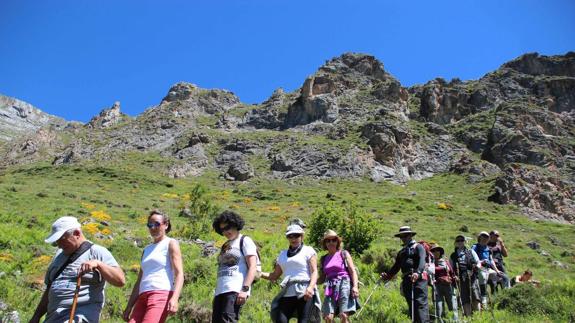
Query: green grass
{"x":32,"y":197}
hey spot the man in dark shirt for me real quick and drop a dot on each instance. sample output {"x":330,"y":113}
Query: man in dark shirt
{"x":411,"y":261}
{"x":498,"y":250}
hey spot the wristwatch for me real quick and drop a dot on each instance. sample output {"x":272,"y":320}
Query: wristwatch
{"x":245,"y":289}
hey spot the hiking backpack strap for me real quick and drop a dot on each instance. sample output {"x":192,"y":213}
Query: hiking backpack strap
{"x":85,"y":246}
{"x":243,"y":254}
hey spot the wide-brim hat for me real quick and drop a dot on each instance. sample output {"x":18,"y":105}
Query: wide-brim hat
{"x":60,"y":226}
{"x":438,"y":248}
{"x":405,"y":230}
{"x":330,"y":234}
{"x":294,"y":229}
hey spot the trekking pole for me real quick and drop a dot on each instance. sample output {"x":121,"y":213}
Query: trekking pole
{"x":412,"y":303}
{"x":75,"y":301}
{"x":458,"y":284}
{"x":369,"y":296}
{"x":434,"y":298}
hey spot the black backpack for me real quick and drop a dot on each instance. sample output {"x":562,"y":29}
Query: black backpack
{"x":258,"y":258}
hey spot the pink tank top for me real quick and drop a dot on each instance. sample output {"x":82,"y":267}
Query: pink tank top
{"x":333,"y":266}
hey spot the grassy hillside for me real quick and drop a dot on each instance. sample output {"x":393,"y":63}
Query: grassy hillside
{"x":122,"y":192}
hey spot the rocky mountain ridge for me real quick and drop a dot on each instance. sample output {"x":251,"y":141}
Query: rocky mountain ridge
{"x":19,"y":118}
{"x":351,"y":119}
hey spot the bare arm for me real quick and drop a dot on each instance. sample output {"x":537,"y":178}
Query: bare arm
{"x":310,"y":290}
{"x":42,"y":307}
{"x":113,"y":275}
{"x":252,"y":263}
{"x":313,"y":271}
{"x":503,"y":248}
{"x":178,"y":268}
{"x":273,"y":276}
{"x":353,"y":273}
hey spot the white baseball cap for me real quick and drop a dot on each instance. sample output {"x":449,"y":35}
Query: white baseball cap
{"x":294,"y":228}
{"x":62,"y":225}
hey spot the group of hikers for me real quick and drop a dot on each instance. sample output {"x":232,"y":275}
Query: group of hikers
{"x":77,"y":275}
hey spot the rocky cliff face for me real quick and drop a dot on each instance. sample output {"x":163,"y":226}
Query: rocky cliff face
{"x":353,"y":119}
{"x":19,"y":118}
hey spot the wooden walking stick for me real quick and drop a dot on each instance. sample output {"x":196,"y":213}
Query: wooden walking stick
{"x":75,"y":302}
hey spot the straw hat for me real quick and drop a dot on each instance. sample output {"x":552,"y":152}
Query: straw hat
{"x":330,"y":234}
{"x":405,"y":230}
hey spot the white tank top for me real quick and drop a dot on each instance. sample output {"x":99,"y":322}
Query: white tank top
{"x":157,"y":271}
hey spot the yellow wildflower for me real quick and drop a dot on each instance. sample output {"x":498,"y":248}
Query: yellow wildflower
{"x":444,"y":206}
{"x":91,"y":228}
{"x":100,"y":215}
{"x":88,"y":206}
{"x":5,"y":256}
{"x":170,"y":196}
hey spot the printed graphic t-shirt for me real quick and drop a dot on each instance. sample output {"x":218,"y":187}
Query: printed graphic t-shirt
{"x":232,"y":266}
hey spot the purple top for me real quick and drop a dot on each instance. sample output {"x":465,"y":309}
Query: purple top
{"x":333,"y":266}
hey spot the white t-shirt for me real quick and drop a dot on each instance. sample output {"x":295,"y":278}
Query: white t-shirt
{"x":296,"y":267}
{"x":157,"y":273}
{"x":232,"y":266}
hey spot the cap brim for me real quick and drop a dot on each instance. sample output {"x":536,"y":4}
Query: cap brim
{"x":55,"y":236}
{"x":407,"y":232}
{"x":293,"y":232}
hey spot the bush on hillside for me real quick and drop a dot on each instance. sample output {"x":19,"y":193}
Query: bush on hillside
{"x":354,"y":225}
{"x":549,"y":300}
{"x":200,"y":211}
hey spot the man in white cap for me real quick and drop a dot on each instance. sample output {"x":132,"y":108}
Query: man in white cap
{"x":411,"y":261}
{"x":76,"y":256}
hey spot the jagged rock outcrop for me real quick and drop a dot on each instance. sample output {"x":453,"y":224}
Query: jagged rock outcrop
{"x":544,"y":195}
{"x":525,"y":133}
{"x":343,"y":79}
{"x":544,"y":80}
{"x":186,"y":99}
{"x":18,"y":118}
{"x":107,"y":117}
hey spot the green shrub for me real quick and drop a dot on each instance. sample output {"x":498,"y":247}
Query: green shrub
{"x":383,"y":259}
{"x":548,"y":300}
{"x":200,"y":210}
{"x":354,"y":225}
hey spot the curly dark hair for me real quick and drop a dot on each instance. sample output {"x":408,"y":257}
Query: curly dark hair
{"x":229,"y":217}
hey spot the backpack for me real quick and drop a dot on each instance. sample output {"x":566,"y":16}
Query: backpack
{"x":258,"y":258}
{"x":429,"y":259}
{"x":469,"y":262}
{"x":449,"y":276}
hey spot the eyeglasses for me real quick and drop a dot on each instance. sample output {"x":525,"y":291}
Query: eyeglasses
{"x":331,"y":240}
{"x":227,"y":227}
{"x":293,"y":236}
{"x":154,"y":224}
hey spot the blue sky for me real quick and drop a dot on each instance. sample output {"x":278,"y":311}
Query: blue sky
{"x":72,"y":58}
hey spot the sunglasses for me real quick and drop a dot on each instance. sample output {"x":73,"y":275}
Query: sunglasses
{"x":459,"y":240}
{"x":154,"y":224}
{"x":293,"y":236}
{"x":227,"y":227}
{"x":331,"y":240}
